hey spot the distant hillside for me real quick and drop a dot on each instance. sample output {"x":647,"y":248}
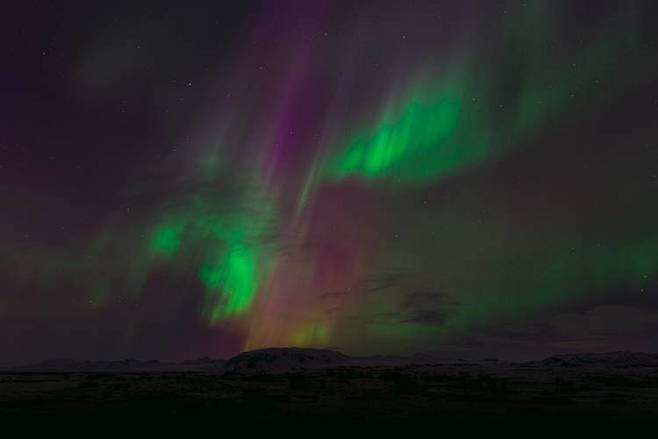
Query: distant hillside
{"x":282,"y":360}
{"x":277,"y":359}
{"x":617,"y":359}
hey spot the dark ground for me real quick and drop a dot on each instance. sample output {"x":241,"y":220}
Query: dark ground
{"x":591,"y":390}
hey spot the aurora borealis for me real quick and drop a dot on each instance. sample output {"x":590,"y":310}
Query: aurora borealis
{"x":181,"y":180}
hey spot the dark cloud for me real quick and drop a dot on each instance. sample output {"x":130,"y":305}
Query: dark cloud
{"x":426,"y":317}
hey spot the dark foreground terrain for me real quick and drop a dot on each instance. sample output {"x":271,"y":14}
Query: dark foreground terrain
{"x":314,"y":386}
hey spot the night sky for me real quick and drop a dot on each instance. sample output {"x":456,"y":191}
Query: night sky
{"x":185,"y":179}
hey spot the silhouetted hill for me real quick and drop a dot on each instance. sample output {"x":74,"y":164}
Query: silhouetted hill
{"x":283,"y":359}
